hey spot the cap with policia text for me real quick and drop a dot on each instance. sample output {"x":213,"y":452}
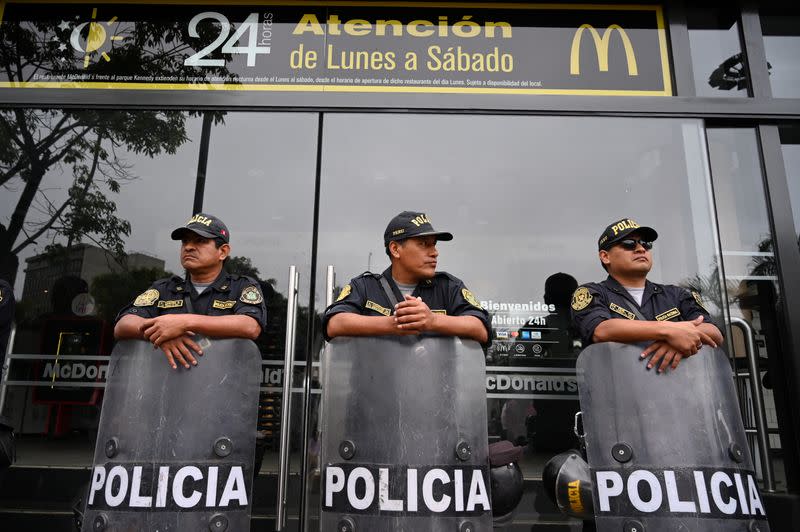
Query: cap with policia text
{"x":204,"y":225}
{"x":622,"y":228}
{"x":408,"y":224}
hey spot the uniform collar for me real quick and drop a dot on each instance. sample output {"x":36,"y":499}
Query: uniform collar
{"x":220,"y":284}
{"x":649,"y":289}
{"x":422,"y":285}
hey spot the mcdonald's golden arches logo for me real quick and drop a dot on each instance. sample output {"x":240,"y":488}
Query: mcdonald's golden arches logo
{"x":601,"y":47}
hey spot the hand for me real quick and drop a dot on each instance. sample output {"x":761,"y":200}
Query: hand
{"x":661,"y":351}
{"x":166,"y":327}
{"x":180,"y":350}
{"x":413,"y":316}
{"x":686,"y":337}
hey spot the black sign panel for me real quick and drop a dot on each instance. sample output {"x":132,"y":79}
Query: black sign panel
{"x":342,"y":47}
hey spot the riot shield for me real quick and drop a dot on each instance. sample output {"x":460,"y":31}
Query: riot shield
{"x":175,"y":447}
{"x":667,"y":452}
{"x":404,"y":436}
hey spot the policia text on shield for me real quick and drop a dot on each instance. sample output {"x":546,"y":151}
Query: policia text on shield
{"x":208,"y":301}
{"x":628,"y":308}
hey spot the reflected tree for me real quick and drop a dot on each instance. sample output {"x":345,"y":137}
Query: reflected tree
{"x":87,"y":147}
{"x":112,"y":291}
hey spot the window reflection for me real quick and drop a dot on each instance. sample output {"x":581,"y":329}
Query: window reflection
{"x":526,"y":199}
{"x":85,"y":217}
{"x":781,"y":30}
{"x":751,"y":272}
{"x":716,"y":52}
{"x":790,"y":145}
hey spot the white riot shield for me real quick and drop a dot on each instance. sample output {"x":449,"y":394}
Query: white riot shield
{"x":667,"y":452}
{"x":404,"y":436}
{"x":175,"y":447}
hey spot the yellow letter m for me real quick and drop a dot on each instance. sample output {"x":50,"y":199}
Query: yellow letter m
{"x":601,"y":46}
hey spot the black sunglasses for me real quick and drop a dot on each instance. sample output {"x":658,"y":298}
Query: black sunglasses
{"x":630,"y":244}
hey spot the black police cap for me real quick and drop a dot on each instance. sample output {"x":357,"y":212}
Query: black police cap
{"x":205,"y":225}
{"x":620,"y":229}
{"x":409,"y":224}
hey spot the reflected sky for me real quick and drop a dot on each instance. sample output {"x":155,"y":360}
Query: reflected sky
{"x":713,"y":38}
{"x":525,"y":197}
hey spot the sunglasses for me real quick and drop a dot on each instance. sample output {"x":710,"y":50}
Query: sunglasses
{"x":630,"y":244}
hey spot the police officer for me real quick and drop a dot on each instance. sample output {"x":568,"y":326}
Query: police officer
{"x":410,"y":297}
{"x":208,"y":301}
{"x":7,"y":304}
{"x":628,"y":308}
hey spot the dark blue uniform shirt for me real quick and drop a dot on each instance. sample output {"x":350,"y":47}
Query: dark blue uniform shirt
{"x":228,"y":294}
{"x":593,"y":303}
{"x":444,"y":294}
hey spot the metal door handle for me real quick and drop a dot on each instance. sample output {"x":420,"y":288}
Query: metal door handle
{"x":330,"y":282}
{"x":758,"y":399}
{"x":286,"y":403}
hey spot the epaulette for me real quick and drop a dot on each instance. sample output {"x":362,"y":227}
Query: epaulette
{"x":370,"y":274}
{"x":448,"y":275}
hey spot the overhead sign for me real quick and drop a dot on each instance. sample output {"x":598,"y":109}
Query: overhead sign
{"x":492,"y":48}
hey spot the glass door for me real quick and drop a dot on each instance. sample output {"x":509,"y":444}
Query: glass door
{"x":261,"y":182}
{"x":138,"y":172}
{"x":526,"y":199}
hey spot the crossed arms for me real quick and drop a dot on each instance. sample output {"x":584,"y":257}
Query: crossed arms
{"x":412,"y":316}
{"x":671,"y":341}
{"x":172,"y":333}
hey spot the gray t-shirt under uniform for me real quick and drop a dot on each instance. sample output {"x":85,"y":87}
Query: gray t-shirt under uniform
{"x":200,"y":287}
{"x":405,"y":289}
{"x":636,"y":293}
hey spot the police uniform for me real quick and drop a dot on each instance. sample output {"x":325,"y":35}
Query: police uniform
{"x":228,"y":294}
{"x":593,"y":303}
{"x":444,"y":293}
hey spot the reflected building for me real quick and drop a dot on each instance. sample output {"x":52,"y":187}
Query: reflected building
{"x":83,"y":261}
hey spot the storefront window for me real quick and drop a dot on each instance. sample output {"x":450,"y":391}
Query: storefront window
{"x":782,"y":44}
{"x":751,"y":278}
{"x":716,"y":52}
{"x":526,"y":199}
{"x":89,"y":201}
{"x":85,"y":217}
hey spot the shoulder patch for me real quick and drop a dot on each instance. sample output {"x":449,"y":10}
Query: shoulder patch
{"x":699,"y":300}
{"x":470,"y":298}
{"x":345,"y":292}
{"x":251,"y":295}
{"x":581,"y":298}
{"x":146,"y":298}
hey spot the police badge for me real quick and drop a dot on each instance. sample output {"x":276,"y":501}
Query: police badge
{"x":251,"y":295}
{"x":699,"y":300}
{"x":344,"y":293}
{"x":146,"y":298}
{"x":581,"y":298}
{"x":470,"y":297}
